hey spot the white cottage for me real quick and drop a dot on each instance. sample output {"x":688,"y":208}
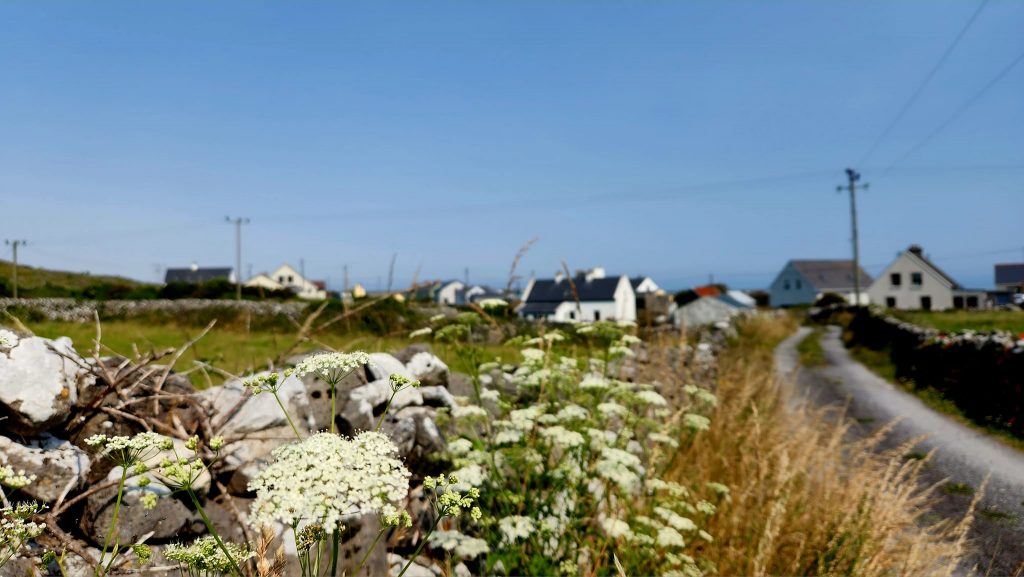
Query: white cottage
{"x":802,"y":282}
{"x":913,"y":282}
{"x":286,"y":277}
{"x":600,"y":298}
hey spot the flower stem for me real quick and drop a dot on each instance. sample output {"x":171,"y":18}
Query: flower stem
{"x":100,"y":570}
{"x":216,"y":536}
{"x":370,"y":550}
{"x":385,"y":413}
{"x":287,"y":416}
{"x":335,"y":540}
{"x":333,"y":414}
{"x":419,"y":547}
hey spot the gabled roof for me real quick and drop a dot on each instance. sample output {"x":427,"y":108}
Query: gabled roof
{"x":552,"y":291}
{"x":830,"y":274}
{"x":1010,"y":273}
{"x":196,"y":275}
{"x":918,"y":253}
{"x":707,"y":291}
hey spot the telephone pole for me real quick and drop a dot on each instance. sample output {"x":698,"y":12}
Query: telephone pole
{"x":853,"y":177}
{"x":14,"y":244}
{"x":238,"y":222}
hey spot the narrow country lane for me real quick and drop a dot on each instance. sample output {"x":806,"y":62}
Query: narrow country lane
{"x":962,"y":454}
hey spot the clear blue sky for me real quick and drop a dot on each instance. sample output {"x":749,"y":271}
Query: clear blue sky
{"x":676,"y":139}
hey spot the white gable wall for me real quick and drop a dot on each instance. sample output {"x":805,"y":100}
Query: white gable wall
{"x":906,"y":295}
{"x":447,"y":294}
{"x":791,"y":288}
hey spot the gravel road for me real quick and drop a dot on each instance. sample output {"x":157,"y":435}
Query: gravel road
{"x":962,"y":454}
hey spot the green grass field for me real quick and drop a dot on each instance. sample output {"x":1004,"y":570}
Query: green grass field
{"x":31,"y":277}
{"x":230,"y":349}
{"x":959,"y":320}
{"x":810,"y":351}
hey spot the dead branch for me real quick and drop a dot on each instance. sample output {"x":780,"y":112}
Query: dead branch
{"x":177,"y":355}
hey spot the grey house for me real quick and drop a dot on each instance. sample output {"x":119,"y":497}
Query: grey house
{"x":913,"y":282}
{"x":1010,"y":277}
{"x":801,"y":282}
{"x":196,"y":274}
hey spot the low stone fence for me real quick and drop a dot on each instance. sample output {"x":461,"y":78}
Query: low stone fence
{"x":981,"y":372}
{"x":72,"y":310}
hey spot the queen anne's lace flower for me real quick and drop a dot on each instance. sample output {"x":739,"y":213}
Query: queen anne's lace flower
{"x":696,"y":422}
{"x":616,"y":528}
{"x":563,"y":437}
{"x":651,"y":398}
{"x":205,"y":556}
{"x":462,"y":546}
{"x":488,"y":304}
{"x":469,"y":412}
{"x":675,"y":520}
{"x":15,"y":479}
{"x":15,"y":527}
{"x":331,"y":367}
{"x":326,"y":478}
{"x":420,"y":332}
{"x":129,"y":451}
{"x":669,"y":537}
{"x":515,"y":527}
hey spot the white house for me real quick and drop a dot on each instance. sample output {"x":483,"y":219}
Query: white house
{"x":600,"y":298}
{"x":804,"y":281}
{"x":286,"y":277}
{"x":913,"y":282}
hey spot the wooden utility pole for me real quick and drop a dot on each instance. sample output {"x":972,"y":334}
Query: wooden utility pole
{"x":853,"y":177}
{"x":238,"y":222}
{"x":14,"y":244}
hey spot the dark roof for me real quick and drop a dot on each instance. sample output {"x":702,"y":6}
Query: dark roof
{"x":551,"y":291}
{"x":830,"y":274}
{"x":198,"y":275}
{"x":1010,"y":273}
{"x":918,"y":252}
{"x":637,"y":280}
{"x":539,"y":308}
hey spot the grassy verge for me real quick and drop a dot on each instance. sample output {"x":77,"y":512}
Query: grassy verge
{"x":230,"y":348}
{"x":951,"y":321}
{"x":879,"y":363}
{"x":804,"y":500}
{"x":810,"y":351}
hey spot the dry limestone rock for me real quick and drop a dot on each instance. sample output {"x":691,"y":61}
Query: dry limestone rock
{"x":39,"y":381}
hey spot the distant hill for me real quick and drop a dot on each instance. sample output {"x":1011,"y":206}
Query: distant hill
{"x":41,"y":282}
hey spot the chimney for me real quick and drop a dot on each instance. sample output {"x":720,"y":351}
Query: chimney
{"x":916,"y":249}
{"x":559,"y":276}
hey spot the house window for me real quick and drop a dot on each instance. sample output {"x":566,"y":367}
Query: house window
{"x":958,"y":302}
{"x":895,"y":279}
{"x":785,"y":285}
{"x":890,"y":302}
{"x":597,"y":315}
{"x":280,"y":279}
{"x":916,"y":279}
{"x":926,"y":303}
{"x":972,"y":302}
{"x":572,"y":315}
{"x":799,"y":285}
{"x":289,"y":278}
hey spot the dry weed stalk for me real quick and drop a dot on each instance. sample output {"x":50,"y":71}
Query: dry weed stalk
{"x":265,"y":567}
{"x":805,"y":499}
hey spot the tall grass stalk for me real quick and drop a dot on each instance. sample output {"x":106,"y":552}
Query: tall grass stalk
{"x":806,"y":499}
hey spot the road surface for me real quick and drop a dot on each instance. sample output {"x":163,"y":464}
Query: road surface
{"x":962,"y":454}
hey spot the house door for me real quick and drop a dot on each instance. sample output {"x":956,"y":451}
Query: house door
{"x":958,"y":302}
{"x":926,"y":303}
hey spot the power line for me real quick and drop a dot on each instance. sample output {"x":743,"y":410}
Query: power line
{"x":970,"y":102}
{"x":924,"y":83}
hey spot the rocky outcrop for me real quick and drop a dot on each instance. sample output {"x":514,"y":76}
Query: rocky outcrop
{"x":39,"y":381}
{"x":59,"y":466}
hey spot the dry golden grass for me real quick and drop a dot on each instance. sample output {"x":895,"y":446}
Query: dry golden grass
{"x":805,"y":500}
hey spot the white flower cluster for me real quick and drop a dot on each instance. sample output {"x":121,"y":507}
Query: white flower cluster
{"x":462,"y":546}
{"x":205,"y":557}
{"x":420,"y":332}
{"x":326,"y":478}
{"x":516,"y":527}
{"x":14,"y":479}
{"x":493,"y":303}
{"x":16,"y":529}
{"x":129,"y":451}
{"x":331,"y":367}
{"x":7,"y":339}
